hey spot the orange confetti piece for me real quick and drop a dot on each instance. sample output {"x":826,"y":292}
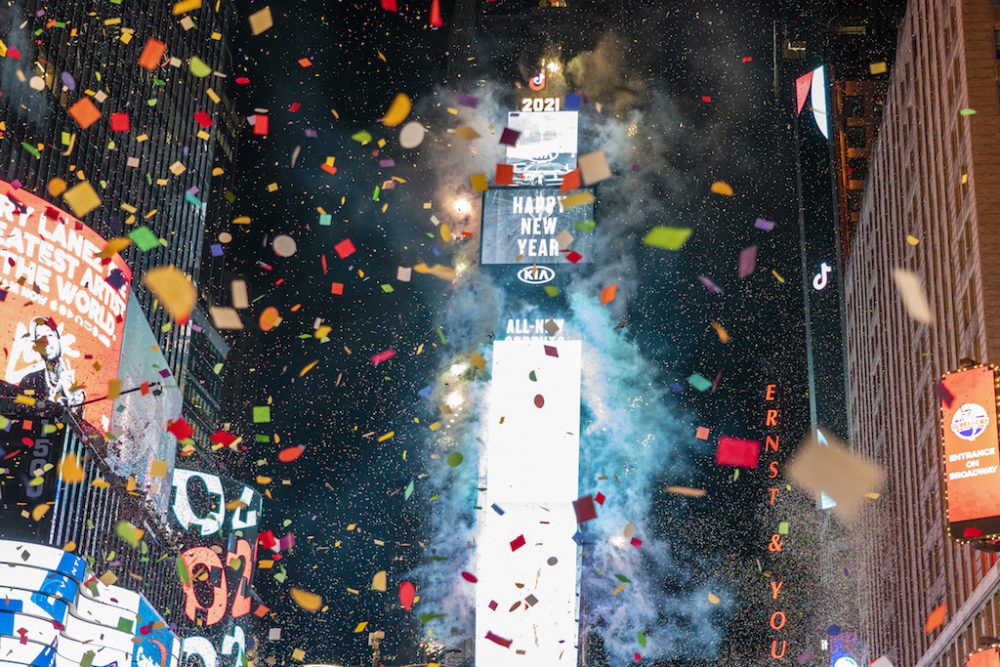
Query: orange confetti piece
{"x":70,"y":470}
{"x":306,"y":600}
{"x":151,"y":54}
{"x":289,"y":454}
{"x":936,"y":618}
{"x":608,"y":294}
{"x":308,"y":367}
{"x":722,"y":188}
{"x":84,"y":112}
{"x":269,"y":319}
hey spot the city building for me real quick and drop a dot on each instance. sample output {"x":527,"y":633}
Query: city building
{"x":929,"y":206}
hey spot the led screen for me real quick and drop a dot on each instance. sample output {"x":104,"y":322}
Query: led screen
{"x":971,"y":461}
{"x":546,"y":146}
{"x":526,"y":597}
{"x":63,"y":306}
{"x":988,"y":658}
{"x":531,"y":226}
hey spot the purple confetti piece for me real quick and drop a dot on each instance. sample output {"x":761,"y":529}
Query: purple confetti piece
{"x":387,"y":163}
{"x":709,"y":285}
{"x":216,"y":249}
{"x":946,"y":396}
{"x":804,"y":658}
{"x":468,"y":100}
{"x":765,"y":225}
{"x":748,"y":261}
{"x":311,"y":134}
{"x":68,"y":81}
{"x":196,"y":327}
{"x":509,"y":137}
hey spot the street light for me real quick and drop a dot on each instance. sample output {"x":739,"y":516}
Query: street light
{"x":462,"y":205}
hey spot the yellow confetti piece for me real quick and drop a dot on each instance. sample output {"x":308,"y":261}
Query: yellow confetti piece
{"x":360,"y":627}
{"x":714,"y":599}
{"x":308,"y":367}
{"x":438,"y":271}
{"x":263,"y":481}
{"x":398,"y":110}
{"x":387,"y":436}
{"x":70,"y":470}
{"x":445,"y":233}
{"x":39,"y":511}
{"x":777,"y":276}
{"x":99,"y":483}
{"x":185,"y":6}
{"x":722,"y":188}
{"x":306,"y":600}
{"x":69,"y":547}
{"x":620,"y":588}
{"x":912,"y":240}
{"x":578,"y":199}
{"x":174,"y":289}
{"x":721,"y":330}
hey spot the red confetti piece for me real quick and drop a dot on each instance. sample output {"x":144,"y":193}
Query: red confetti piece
{"x":737,"y":452}
{"x":468,"y":576}
{"x":517,"y":543}
{"x":497,"y":639}
{"x":120,"y":122}
{"x":345,"y":248}
{"x":203,"y":119}
{"x":289,"y":454}
{"x":385,"y":355}
{"x":180,"y":429}
{"x":539,"y":401}
{"x":407,"y":591}
{"x":599,"y":498}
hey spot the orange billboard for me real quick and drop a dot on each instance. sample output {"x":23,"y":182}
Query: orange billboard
{"x":62,"y":306}
{"x":971,"y":460}
{"x":988,"y":658}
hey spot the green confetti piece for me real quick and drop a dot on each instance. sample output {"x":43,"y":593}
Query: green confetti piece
{"x":699,"y":382}
{"x":667,"y":238}
{"x":4,"y":422}
{"x":409,"y":491}
{"x":36,"y":481}
{"x":622,"y":578}
{"x":281,"y":575}
{"x":31,"y":149}
{"x":440,"y":332}
{"x":782,"y":528}
{"x":437,"y":559}
{"x":586,"y":226}
{"x":217,"y":368}
{"x":325,"y":219}
{"x":88,"y":659}
{"x":427,"y":618}
{"x":533,"y":376}
{"x":967,"y":112}
{"x":199,"y":68}
{"x":144,"y":238}
{"x":128,"y":533}
{"x":362,"y":137}
{"x":124,"y":625}
{"x":182,"y":571}
{"x":455,"y":459}
{"x":261,"y":414}
{"x":642,"y":639}
{"x":376,"y":193}
{"x":387,"y":289}
{"x":551,"y":290}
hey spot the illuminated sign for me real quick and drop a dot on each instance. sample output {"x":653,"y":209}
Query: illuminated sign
{"x":813,"y":85}
{"x":530,"y":226}
{"x":536,"y":275}
{"x":537,"y":82}
{"x":64,"y":306}
{"x":971,"y":461}
{"x":525,"y":551}
{"x":988,"y":658}
{"x":822,"y":279}
{"x":777,"y":543}
{"x":541,"y":104}
{"x":221,"y":520}
{"x":546,"y":147}
{"x":54,"y":613}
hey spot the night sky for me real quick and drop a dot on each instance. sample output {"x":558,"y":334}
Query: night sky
{"x":694,"y":81}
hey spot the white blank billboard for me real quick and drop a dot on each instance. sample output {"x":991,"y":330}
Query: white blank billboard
{"x":526,"y":597}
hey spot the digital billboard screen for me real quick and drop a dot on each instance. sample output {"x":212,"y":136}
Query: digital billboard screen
{"x":532,"y":226}
{"x":62,"y":305}
{"x":988,"y":658}
{"x":545,"y":148}
{"x":971,"y":460}
{"x":141,"y":447}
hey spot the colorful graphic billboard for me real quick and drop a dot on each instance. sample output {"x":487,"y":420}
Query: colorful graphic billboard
{"x":219,"y":518}
{"x":988,"y":658}
{"x":54,"y":613}
{"x":531,"y":226}
{"x":32,"y":444}
{"x":141,"y":446}
{"x":546,"y":147}
{"x":62,"y":306}
{"x":971,"y":460}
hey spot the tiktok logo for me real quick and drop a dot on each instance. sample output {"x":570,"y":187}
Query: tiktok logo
{"x":821,"y":279}
{"x":537,"y":82}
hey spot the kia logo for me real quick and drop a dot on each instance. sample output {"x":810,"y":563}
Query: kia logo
{"x":536,"y":275}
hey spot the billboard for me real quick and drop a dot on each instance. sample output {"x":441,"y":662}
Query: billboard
{"x":546,"y":146}
{"x":526,"y":554}
{"x":140,"y":445}
{"x":62,"y":306}
{"x":54,"y":613}
{"x":988,"y":658}
{"x":219,"y":518}
{"x":32,"y":443}
{"x":971,"y":461}
{"x":531,"y":226}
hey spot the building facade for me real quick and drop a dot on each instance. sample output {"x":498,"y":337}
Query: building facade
{"x":930,"y":206}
